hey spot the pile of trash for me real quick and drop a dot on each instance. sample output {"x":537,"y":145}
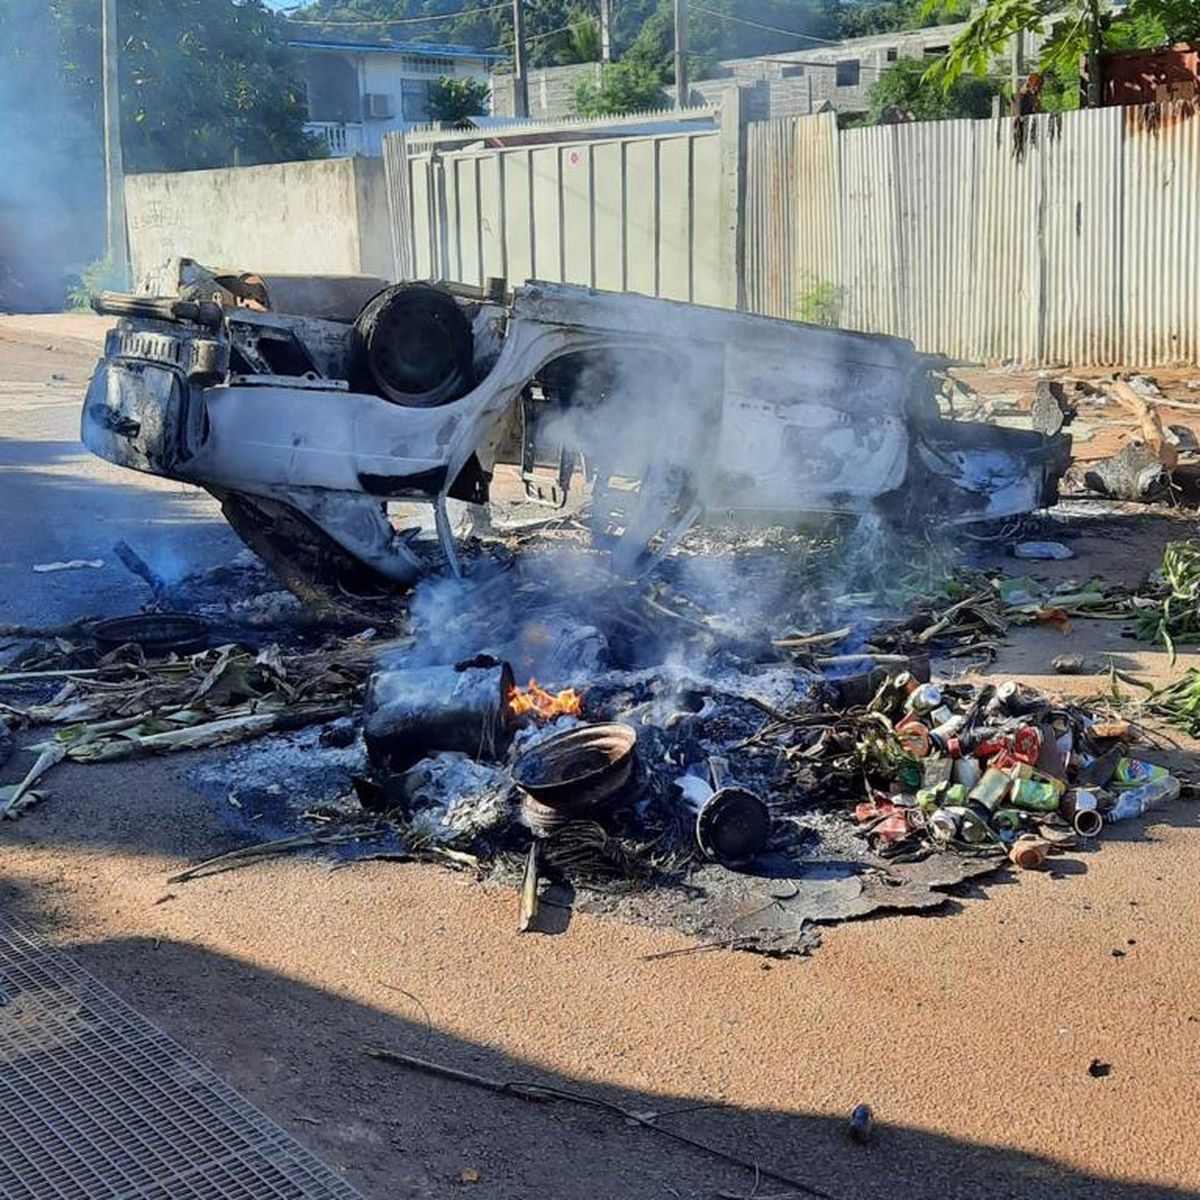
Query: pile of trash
{"x":745,"y":749}
{"x":991,"y":769}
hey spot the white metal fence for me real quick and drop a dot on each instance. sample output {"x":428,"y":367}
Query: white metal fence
{"x":1056,"y":238}
{"x":638,"y":212}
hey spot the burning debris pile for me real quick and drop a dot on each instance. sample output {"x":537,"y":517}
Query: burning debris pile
{"x":745,"y":777}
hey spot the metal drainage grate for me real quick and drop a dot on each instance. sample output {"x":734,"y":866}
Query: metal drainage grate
{"x":98,"y":1104}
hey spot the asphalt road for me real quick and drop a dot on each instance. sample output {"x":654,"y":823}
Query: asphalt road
{"x":58,"y":502}
{"x":970,"y":1032}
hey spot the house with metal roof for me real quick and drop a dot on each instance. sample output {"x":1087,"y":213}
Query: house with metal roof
{"x":359,"y":91}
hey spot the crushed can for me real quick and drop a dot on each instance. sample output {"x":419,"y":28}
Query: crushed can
{"x":1027,"y":744}
{"x":928,"y":800}
{"x":943,"y":733}
{"x":936,"y":772}
{"x":925,"y":699}
{"x":1081,"y":806}
{"x":1037,"y":794}
{"x":991,"y":790}
{"x":1029,"y":852}
{"x":913,"y":738}
{"x":944,"y":824}
{"x":973,"y":827}
{"x":967,"y":772}
{"x":1008,"y":820}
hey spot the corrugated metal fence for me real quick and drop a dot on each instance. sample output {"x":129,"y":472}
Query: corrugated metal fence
{"x":1058,"y":238}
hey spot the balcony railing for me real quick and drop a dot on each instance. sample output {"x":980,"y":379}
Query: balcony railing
{"x":343,"y":138}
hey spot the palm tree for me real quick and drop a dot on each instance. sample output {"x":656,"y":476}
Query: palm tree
{"x":584,"y":44}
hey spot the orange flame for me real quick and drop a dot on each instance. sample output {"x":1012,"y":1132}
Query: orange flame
{"x":543,"y":704}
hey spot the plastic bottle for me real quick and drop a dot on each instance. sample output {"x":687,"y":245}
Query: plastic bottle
{"x":1133,"y":772}
{"x":1133,"y":801}
{"x":967,"y":772}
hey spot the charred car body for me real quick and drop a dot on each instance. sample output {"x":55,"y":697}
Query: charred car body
{"x":306,"y":405}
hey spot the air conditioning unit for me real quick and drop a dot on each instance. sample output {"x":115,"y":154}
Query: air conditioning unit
{"x":379,"y":106}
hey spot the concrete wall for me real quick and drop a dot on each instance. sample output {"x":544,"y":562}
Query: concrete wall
{"x":322,"y":217}
{"x":551,"y":91}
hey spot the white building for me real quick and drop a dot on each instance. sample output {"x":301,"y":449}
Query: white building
{"x":358,"y":92}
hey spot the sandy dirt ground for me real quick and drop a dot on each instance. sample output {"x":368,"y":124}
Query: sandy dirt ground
{"x":969,"y":1032}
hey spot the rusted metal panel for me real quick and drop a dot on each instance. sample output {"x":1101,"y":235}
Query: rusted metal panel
{"x":817,"y":204}
{"x":399,"y":192}
{"x":1161,"y":233}
{"x":1056,"y":238}
{"x":1162,"y":76}
{"x":1004,"y":253}
{"x":934,"y":223}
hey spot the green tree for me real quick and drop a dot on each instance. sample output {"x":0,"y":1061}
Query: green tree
{"x":456,"y":99}
{"x":624,"y":87}
{"x":562,"y":31}
{"x":722,"y":29}
{"x":204,"y":83}
{"x":584,"y":44}
{"x":852,"y":20}
{"x":904,"y":86}
{"x":1075,"y":31}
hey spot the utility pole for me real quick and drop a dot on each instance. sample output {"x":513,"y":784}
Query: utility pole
{"x":606,"y":30}
{"x":117,"y":244}
{"x":681,"y":79}
{"x":1018,"y":69}
{"x":520,"y":78}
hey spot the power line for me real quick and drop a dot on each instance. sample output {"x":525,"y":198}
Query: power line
{"x":537,"y":37}
{"x":400,"y":20}
{"x":808,"y":37}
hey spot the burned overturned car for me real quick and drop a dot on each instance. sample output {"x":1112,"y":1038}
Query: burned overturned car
{"x":309,"y":406}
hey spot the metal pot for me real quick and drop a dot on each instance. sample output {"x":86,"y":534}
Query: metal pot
{"x":413,"y":712}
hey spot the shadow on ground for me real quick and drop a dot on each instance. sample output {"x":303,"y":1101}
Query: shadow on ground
{"x":398,"y":1133}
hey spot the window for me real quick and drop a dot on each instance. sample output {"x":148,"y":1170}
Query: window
{"x":847,"y":73}
{"x":414,"y":100}
{"x":428,"y":65}
{"x":331,"y":89}
{"x":893,"y":54}
{"x":936,"y":51}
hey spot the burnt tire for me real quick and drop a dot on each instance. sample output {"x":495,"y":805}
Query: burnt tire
{"x":313,"y":567}
{"x":415,"y":346}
